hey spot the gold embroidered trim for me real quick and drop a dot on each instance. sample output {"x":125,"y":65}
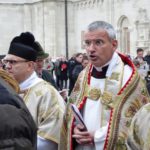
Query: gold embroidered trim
{"x":10,"y":80}
{"x":117,"y":112}
{"x":106,"y":98}
{"x":94,"y":94}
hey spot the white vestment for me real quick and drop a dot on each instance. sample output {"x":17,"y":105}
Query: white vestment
{"x":46,"y":107}
{"x":91,"y":118}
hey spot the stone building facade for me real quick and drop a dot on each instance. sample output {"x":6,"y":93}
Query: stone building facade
{"x":46,"y":20}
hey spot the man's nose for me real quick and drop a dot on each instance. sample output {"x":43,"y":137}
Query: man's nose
{"x":91,"y":47}
{"x":8,"y":65}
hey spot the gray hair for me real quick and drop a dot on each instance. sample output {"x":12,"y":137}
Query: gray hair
{"x":103,"y":25}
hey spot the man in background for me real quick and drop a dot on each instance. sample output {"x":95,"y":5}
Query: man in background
{"x":39,"y":64}
{"x":78,"y":68}
{"x":1,"y":64}
{"x":75,"y":60}
{"x":143,"y":67}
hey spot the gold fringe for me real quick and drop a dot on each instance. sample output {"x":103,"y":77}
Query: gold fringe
{"x":10,"y":80}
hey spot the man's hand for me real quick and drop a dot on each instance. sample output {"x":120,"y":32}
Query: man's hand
{"x":64,"y":93}
{"x":83,"y":137}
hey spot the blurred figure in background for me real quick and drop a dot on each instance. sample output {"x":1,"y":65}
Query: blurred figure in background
{"x":63,"y":67}
{"x":76,"y":60}
{"x":49,"y":65}
{"x":143,"y":67}
{"x":147,"y":78}
{"x":57,"y":72}
{"x":39,"y":63}
{"x":78,"y":68}
{"x":147,"y":58}
{"x":140,"y":70}
{"x":1,"y":64}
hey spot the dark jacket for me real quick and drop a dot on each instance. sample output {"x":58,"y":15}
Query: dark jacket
{"x":71,"y":65}
{"x":63,"y":66}
{"x":17,"y":128}
{"x":72,"y":80}
{"x":147,"y":59}
{"x":75,"y":73}
{"x":49,"y":78}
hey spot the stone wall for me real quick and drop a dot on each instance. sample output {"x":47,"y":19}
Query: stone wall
{"x":46,"y":20}
{"x":11,"y":23}
{"x":129,"y":17}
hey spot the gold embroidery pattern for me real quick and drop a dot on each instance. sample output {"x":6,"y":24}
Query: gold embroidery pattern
{"x":38,"y":93}
{"x":77,"y":86}
{"x":120,"y":145}
{"x":147,"y":140}
{"x":135,"y":134}
{"x":116,"y":112}
{"x":115,"y":76}
{"x":144,"y":91}
{"x":147,"y":108}
{"x":10,"y":80}
{"x":107,"y":98}
{"x":133,"y":108}
{"x":94,"y":93}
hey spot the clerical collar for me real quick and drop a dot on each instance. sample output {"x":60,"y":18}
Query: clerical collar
{"x":99,"y":74}
{"x":109,"y":67}
{"x":101,"y":68}
{"x":32,"y":80}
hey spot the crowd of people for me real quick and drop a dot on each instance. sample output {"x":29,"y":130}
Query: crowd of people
{"x":107,"y":87}
{"x":65,"y":72}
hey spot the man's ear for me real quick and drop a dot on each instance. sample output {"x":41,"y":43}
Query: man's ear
{"x":114,"y":44}
{"x":31,"y":65}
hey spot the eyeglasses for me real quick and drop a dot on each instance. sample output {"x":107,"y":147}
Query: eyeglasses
{"x":13,"y":62}
{"x":97,"y":42}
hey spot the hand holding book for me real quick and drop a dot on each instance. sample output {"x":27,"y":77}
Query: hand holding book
{"x":78,"y":116}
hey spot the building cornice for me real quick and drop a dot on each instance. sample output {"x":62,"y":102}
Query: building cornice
{"x":19,"y":1}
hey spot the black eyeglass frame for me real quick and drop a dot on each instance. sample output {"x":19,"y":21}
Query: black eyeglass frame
{"x":13,"y":62}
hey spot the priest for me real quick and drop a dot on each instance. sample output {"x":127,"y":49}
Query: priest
{"x":108,"y":93}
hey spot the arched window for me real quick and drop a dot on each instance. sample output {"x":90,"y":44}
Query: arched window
{"x":124,"y":35}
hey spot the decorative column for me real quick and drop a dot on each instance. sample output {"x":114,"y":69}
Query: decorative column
{"x":143,"y":30}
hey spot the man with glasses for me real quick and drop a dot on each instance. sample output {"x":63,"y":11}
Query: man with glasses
{"x":108,"y":93}
{"x":43,"y":101}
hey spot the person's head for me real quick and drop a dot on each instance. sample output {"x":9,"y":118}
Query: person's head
{"x":41,"y":56}
{"x":79,"y":57}
{"x":140,"y":52}
{"x":39,"y":63}
{"x":19,"y":62}
{"x":100,"y":42}
{"x":1,"y":64}
{"x":85,"y":61}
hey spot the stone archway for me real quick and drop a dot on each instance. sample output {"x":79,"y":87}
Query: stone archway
{"x":124,"y":35}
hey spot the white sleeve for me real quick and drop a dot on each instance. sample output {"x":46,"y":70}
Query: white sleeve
{"x":43,"y":144}
{"x":100,"y":137}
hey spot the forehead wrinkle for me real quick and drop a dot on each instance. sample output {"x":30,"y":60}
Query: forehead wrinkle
{"x":13,"y":57}
{"x":95,"y":35}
